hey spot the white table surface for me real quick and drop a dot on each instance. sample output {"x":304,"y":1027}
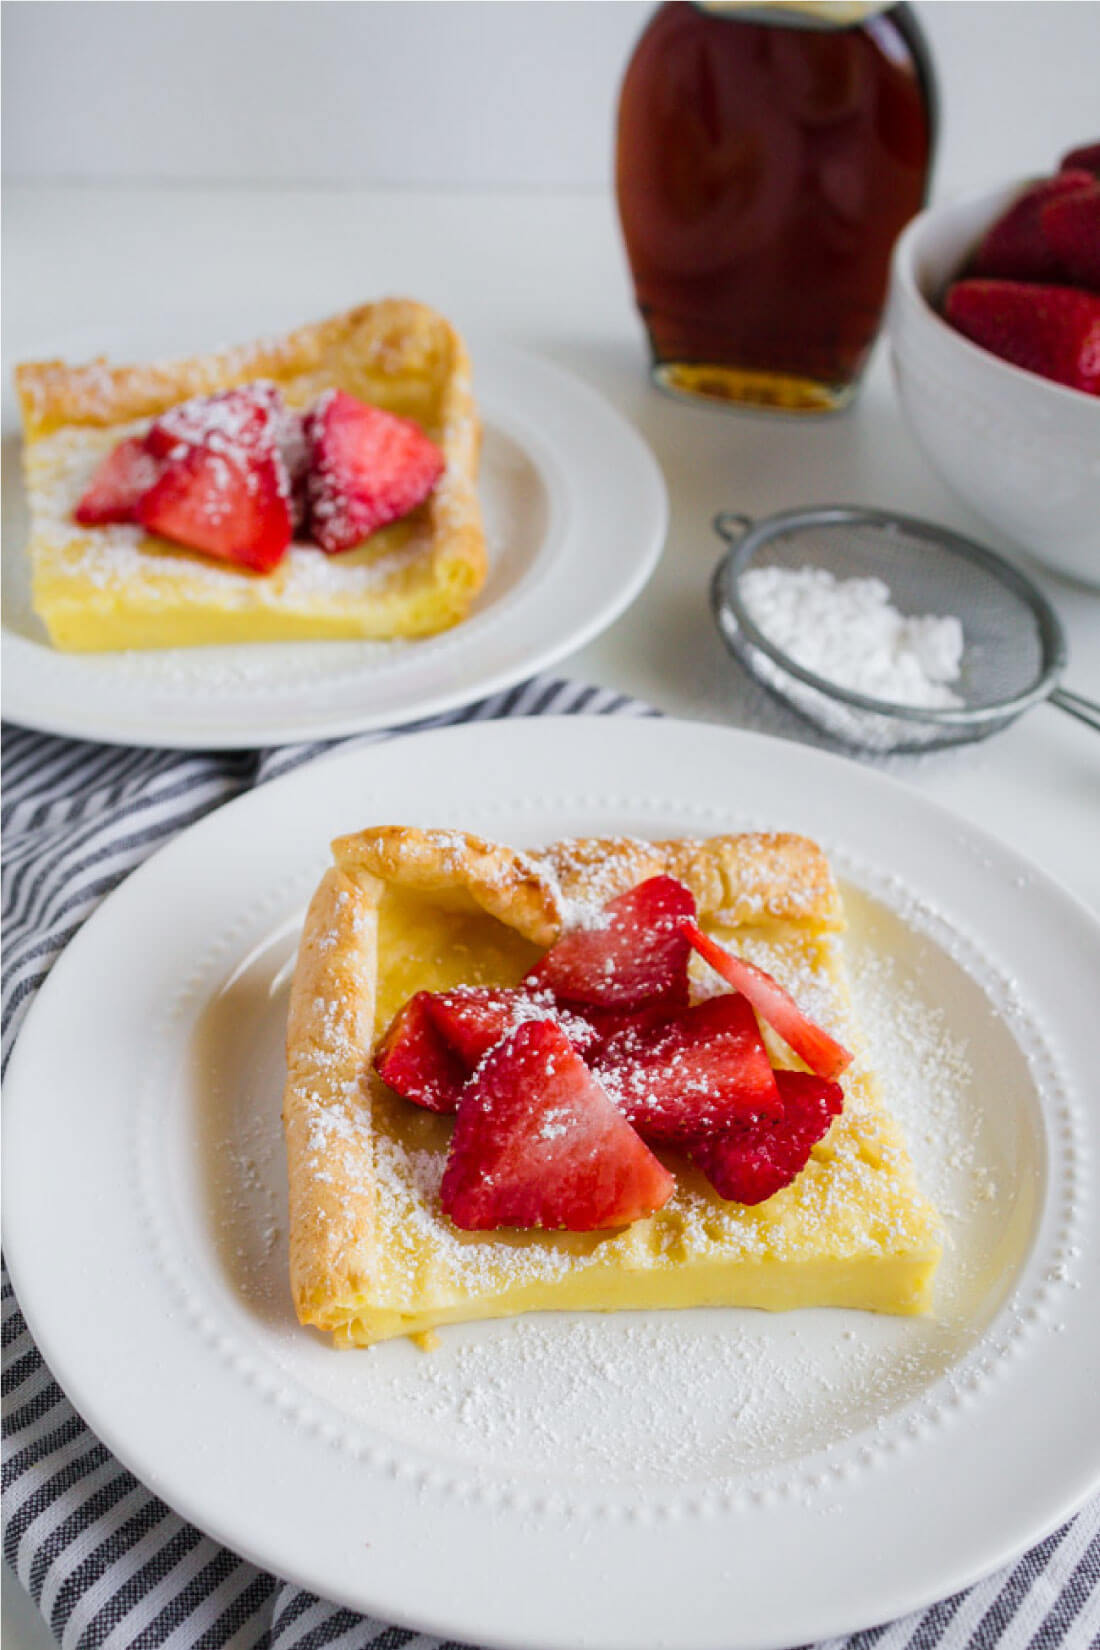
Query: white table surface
{"x":547,"y":272}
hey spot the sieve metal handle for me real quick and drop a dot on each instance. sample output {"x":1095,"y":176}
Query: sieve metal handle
{"x":731,"y":526}
{"x":1085,"y":710}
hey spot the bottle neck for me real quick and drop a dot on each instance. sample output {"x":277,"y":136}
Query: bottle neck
{"x":797,"y":14}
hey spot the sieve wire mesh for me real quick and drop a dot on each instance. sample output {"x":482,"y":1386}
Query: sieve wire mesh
{"x":1013,"y":645}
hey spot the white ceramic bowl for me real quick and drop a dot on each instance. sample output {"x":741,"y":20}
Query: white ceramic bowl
{"x":1022,"y":452}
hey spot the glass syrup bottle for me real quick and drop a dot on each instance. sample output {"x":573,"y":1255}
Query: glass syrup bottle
{"x":767,"y":158}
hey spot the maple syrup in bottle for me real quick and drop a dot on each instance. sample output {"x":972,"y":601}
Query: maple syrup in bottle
{"x":768,"y":156}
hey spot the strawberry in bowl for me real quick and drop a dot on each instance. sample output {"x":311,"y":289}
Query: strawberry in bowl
{"x":994,"y":334}
{"x":1030,"y":291}
{"x":1053,"y":331}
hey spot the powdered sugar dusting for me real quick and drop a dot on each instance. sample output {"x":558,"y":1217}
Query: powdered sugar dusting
{"x":663,"y":1400}
{"x":115,"y":556}
{"x":720,"y":1394}
{"x":930,"y":1088}
{"x":849,"y":632}
{"x":672,"y":1398}
{"x":856,"y":1193}
{"x":522,"y":1007}
{"x":422,"y":1247}
{"x":232,"y":422}
{"x":583,"y":883}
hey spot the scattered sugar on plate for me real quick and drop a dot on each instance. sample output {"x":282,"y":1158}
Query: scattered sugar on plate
{"x":676,"y":1396}
{"x":669,"y":1398}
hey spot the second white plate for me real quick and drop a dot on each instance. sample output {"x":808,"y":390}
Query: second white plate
{"x":575,"y":514}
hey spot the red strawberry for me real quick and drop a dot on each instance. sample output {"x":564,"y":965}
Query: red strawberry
{"x":1086,"y":159}
{"x":751,"y":1164}
{"x":603,"y":1024}
{"x":125,"y":474}
{"x":473,"y":1020}
{"x":367,"y":468}
{"x":822,"y":1053}
{"x":416,"y":1061}
{"x":1050,"y":330}
{"x":637,"y":955}
{"x":704,"y":1069}
{"x":1071,"y":225}
{"x":1015,"y":248}
{"x":538,"y":1143}
{"x":232,"y":422}
{"x":233,"y":506}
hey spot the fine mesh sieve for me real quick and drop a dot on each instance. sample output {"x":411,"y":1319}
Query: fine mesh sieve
{"x":1014,"y":647}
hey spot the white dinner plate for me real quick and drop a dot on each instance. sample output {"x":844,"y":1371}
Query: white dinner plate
{"x":699,"y":1480}
{"x":575,"y":513}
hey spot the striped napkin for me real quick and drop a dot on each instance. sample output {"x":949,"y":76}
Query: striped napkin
{"x":107,"y":1562}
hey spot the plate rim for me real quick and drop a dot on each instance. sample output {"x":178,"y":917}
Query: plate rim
{"x":660,"y":728}
{"x":645,"y":487}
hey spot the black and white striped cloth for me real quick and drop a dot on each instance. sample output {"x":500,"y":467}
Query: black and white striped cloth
{"x":107,"y":1562}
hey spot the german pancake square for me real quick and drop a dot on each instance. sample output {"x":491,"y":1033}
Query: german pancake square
{"x":402,"y":910}
{"x":116,"y":586}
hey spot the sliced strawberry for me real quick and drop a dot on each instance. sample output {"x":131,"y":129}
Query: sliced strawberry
{"x":473,"y":1019}
{"x":440,"y":1037}
{"x":822,"y":1053}
{"x":233,"y":507}
{"x":700,"y":1071}
{"x":605,"y":1024}
{"x":752,"y":1163}
{"x":636,"y":956}
{"x":1071,"y":225}
{"x":415,"y":1060}
{"x":125,"y":474}
{"x":1050,"y":330}
{"x":1086,"y":159}
{"x":232,"y":422}
{"x":367,"y":468}
{"x":1015,"y":248}
{"x":538,"y":1143}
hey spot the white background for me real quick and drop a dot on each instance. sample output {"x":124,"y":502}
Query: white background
{"x":467,"y":111}
{"x":466,"y":94}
